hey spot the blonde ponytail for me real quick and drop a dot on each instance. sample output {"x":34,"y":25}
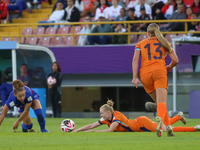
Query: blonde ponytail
{"x":18,"y":86}
{"x":108,"y":106}
{"x":153,"y":29}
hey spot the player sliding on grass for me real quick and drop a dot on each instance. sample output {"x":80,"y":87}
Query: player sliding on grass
{"x":116,"y":121}
{"x":23,"y":97}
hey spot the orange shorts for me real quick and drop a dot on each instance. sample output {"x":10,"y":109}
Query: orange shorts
{"x":154,"y":80}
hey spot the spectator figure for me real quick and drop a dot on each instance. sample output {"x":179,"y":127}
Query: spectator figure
{"x":64,"y":2}
{"x":166,"y":12}
{"x":24,"y":77}
{"x":101,"y":28}
{"x":102,"y":8}
{"x":192,"y":26}
{"x":122,"y":16}
{"x":55,"y":90}
{"x":147,"y":8}
{"x":114,"y":10}
{"x":79,"y":4}
{"x":195,"y":6}
{"x":55,"y":16}
{"x":188,"y":12}
{"x":132,"y":17}
{"x":157,"y":5}
{"x":85,"y":30}
{"x":3,"y":10}
{"x":89,"y":7}
{"x":39,"y":6}
{"x":131,"y":4}
{"x":17,"y":5}
{"x":120,"y":39}
{"x":144,"y":16}
{"x":177,"y":2}
{"x":177,"y":26}
{"x":71,"y":14}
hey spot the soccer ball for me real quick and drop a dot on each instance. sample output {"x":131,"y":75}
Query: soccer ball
{"x":51,"y":80}
{"x":67,"y":125}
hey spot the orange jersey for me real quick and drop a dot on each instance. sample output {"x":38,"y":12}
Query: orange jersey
{"x":153,"y":55}
{"x":88,"y":4}
{"x":125,"y":124}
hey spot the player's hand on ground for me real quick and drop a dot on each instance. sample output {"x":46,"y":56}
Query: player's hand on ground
{"x":169,"y":68}
{"x":15,"y":126}
{"x":135,"y":82}
{"x":90,"y":130}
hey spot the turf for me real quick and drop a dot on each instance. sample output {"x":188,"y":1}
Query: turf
{"x":56,"y":139}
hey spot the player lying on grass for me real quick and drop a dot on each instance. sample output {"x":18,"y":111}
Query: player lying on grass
{"x":23,"y":97}
{"x":116,"y":121}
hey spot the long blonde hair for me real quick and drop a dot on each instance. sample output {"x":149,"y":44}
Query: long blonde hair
{"x":153,"y":29}
{"x":108,"y":106}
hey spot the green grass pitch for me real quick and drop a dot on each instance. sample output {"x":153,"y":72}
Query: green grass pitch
{"x":57,"y":140}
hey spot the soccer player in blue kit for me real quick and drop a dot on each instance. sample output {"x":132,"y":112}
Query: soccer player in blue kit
{"x":23,"y":97}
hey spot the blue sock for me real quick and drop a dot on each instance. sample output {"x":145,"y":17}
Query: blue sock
{"x":40,"y":118}
{"x":25,"y":128}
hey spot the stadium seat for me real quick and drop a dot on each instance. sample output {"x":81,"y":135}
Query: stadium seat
{"x":38,"y":78}
{"x":63,"y":30}
{"x":67,"y":41}
{"x":76,"y":40}
{"x":31,"y":40}
{"x":56,"y":41}
{"x":26,"y":31}
{"x":169,"y":37}
{"x":180,"y":34}
{"x":44,"y":41}
{"x":50,"y":30}
{"x":134,"y":38}
{"x":6,"y":39}
{"x":7,"y":77}
{"x":77,"y":29}
{"x":39,"y":31}
{"x":16,"y":39}
{"x":141,"y":37}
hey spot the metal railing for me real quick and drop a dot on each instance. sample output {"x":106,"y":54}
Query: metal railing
{"x":73,"y":24}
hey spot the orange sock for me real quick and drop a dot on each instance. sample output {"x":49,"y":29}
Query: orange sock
{"x":184,"y":129}
{"x":166,"y":121}
{"x":162,"y":111}
{"x":174,"y":119}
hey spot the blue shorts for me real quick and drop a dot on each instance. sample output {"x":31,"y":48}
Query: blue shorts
{"x":35,"y":96}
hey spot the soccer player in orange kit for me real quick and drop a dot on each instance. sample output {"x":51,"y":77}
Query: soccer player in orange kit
{"x":153,"y":72}
{"x":118,"y":122}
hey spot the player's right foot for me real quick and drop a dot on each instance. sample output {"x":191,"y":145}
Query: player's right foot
{"x":197,"y":127}
{"x":170,"y":131}
{"x":182,"y":117}
{"x":159,"y":129}
{"x":44,"y":130}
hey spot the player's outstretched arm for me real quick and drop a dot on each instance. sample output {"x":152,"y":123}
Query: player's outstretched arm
{"x":4,"y":112}
{"x":25,"y":112}
{"x":87,"y":127}
{"x":112,"y":127}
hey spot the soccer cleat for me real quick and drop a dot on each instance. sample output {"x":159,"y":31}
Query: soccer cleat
{"x":197,"y":127}
{"x":182,"y":117}
{"x":170,"y":131}
{"x":31,"y":130}
{"x":44,"y":130}
{"x":159,"y":129}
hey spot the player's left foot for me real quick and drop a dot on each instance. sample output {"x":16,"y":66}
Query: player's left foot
{"x":170,"y":131}
{"x":197,"y":127}
{"x":159,"y":129}
{"x":44,"y":130}
{"x":182,"y":117}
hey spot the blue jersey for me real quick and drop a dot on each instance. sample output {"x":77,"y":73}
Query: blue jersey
{"x":30,"y":95}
